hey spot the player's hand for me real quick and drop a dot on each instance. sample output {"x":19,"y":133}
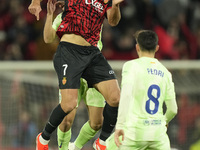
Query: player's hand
{"x":35,"y":9}
{"x":61,"y":4}
{"x":117,"y":2}
{"x":51,"y":7}
{"x":118,"y":133}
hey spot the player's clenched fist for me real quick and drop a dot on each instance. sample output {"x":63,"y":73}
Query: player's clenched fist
{"x":35,"y":8}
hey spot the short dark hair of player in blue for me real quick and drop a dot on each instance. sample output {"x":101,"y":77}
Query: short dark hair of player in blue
{"x":147,"y":40}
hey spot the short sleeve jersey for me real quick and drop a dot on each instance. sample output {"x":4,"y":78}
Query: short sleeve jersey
{"x":85,"y":18}
{"x":152,"y":85}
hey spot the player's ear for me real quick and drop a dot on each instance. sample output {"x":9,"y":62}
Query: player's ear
{"x":137,"y":47}
{"x":157,"y":48}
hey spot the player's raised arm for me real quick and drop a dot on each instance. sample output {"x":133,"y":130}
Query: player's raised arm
{"x":114,"y":14}
{"x":49,"y":31}
{"x":35,"y":8}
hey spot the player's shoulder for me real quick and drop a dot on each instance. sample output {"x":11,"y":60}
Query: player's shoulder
{"x":164,"y":68}
{"x":131,"y":62}
{"x":136,"y":62}
{"x":128,"y":65}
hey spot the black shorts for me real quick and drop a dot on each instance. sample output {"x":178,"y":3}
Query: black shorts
{"x":72,"y":62}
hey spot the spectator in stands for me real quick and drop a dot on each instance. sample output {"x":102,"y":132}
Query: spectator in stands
{"x":15,"y":19}
{"x":188,"y":108}
{"x":24,"y":132}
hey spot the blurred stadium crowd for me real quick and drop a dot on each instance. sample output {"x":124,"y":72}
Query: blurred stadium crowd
{"x":177,"y":24}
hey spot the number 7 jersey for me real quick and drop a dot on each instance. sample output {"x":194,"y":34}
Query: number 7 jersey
{"x":152,"y":85}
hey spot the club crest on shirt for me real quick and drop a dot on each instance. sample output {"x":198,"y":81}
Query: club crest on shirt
{"x":64,"y":80}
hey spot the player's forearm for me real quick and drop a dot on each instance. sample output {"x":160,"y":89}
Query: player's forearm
{"x":124,"y":105}
{"x":114,"y":15}
{"x":49,"y":32}
{"x":171,"y":110}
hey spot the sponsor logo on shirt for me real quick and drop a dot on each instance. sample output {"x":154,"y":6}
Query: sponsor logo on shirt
{"x":97,"y":5}
{"x":152,"y":122}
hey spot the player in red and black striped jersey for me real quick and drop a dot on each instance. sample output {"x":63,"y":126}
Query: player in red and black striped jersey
{"x":77,"y":56}
{"x":84,"y":17}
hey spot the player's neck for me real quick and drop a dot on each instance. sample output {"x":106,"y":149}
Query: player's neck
{"x":144,"y":54}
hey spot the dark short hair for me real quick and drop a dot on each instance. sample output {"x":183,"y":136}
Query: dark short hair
{"x":147,"y":40}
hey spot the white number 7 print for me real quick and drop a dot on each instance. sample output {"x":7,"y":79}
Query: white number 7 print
{"x":65,"y":68}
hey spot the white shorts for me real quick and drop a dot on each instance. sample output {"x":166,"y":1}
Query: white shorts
{"x":128,"y":144}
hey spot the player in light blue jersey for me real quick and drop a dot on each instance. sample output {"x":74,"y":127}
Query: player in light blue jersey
{"x":94,"y":101}
{"x":146,"y":85}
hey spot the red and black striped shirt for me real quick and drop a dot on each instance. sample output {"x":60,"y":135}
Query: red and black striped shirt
{"x":85,"y":18}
